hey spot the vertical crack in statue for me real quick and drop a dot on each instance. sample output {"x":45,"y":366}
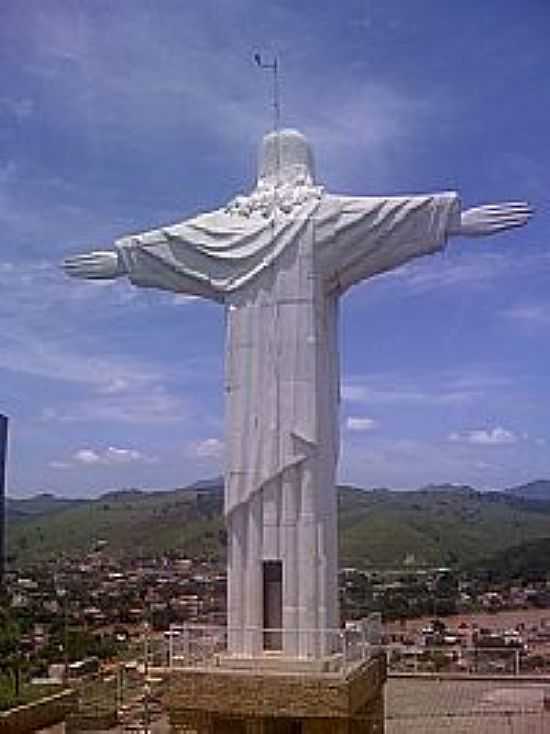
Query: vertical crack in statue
{"x":278,"y":260}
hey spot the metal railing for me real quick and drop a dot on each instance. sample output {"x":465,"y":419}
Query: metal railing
{"x":330,"y":650}
{"x":457,"y":660}
{"x":326,"y":651}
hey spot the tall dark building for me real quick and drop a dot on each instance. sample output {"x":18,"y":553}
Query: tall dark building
{"x":3,"y":448}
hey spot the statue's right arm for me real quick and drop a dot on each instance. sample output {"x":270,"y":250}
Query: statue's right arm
{"x":97,"y":265}
{"x":160,"y":259}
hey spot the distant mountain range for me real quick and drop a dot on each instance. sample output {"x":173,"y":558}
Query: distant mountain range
{"x":447,"y":524}
{"x":39,"y":505}
{"x":537,"y":490}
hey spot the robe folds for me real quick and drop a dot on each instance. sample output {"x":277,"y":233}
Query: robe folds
{"x":280,"y":278}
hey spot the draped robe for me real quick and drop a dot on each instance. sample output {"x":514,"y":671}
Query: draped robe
{"x":280,"y":278}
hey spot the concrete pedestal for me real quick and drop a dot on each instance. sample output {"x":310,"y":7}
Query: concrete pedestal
{"x":228,"y":701}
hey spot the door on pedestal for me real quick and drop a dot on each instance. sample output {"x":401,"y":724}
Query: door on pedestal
{"x":282,"y":725}
{"x":273,"y":605}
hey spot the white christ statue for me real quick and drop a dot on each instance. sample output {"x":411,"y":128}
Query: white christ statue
{"x":279,"y":259}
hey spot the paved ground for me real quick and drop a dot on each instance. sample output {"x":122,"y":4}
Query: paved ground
{"x":432,"y":706}
{"x":416,"y":706}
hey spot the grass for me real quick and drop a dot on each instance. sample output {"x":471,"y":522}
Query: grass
{"x":27,"y":693}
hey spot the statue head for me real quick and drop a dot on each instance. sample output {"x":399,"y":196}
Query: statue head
{"x":286,"y":176}
{"x":286,"y":157}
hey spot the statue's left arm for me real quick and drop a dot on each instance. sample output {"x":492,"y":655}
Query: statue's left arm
{"x":481,"y":221}
{"x":373,"y":235}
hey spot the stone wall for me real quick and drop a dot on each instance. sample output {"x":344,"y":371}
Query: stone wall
{"x":41,"y":714}
{"x":235,"y":702}
{"x":55,"y":729}
{"x":369,"y":721}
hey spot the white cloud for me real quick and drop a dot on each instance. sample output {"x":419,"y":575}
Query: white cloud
{"x":483,"y":466}
{"x":59,"y":465}
{"x":360,"y":424}
{"x":472,"y":270}
{"x":180,"y":299}
{"x":115,"y":455}
{"x":117,"y":385}
{"x":20,"y":108}
{"x":530,"y":314}
{"x":111,"y":456}
{"x":183,"y":83}
{"x":87,"y":456}
{"x":143,"y":405}
{"x":437,"y":388}
{"x":104,"y":87}
{"x":497,"y":436}
{"x":380,"y":461}
{"x":41,"y":322}
{"x":393,"y":392}
{"x":210,"y":448}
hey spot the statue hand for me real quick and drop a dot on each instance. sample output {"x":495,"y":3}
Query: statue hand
{"x":493,"y":218}
{"x":98,"y":265}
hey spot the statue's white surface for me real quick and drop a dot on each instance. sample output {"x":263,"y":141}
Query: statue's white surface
{"x":279,"y":259}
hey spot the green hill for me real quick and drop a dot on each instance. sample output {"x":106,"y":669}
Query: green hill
{"x":529,"y":561}
{"x":131,"y":521}
{"x":40,"y":504}
{"x":446,"y":525}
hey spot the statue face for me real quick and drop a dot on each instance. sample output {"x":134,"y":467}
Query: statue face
{"x":286,"y":157}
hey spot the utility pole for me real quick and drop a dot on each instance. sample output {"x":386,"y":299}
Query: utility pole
{"x":146,"y":717}
{"x":62,"y":594}
{"x":65,"y":638}
{"x":146,"y":649}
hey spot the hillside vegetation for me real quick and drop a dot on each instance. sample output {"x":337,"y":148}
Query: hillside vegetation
{"x":437,"y":525}
{"x":448,"y":525}
{"x":131,"y":522}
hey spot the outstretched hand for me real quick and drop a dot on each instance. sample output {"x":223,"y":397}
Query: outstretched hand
{"x":493,"y":218}
{"x":98,"y":265}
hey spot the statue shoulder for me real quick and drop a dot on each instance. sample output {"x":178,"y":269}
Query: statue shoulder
{"x":334,"y":204}
{"x":215,"y":225}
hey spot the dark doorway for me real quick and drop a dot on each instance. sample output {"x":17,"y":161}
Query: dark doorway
{"x":273,"y":605}
{"x":236,"y":725}
{"x":282,"y":726}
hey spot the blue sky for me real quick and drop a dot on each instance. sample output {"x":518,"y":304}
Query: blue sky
{"x":120,"y":116}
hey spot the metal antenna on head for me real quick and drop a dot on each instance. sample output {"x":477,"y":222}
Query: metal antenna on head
{"x":274,"y":67}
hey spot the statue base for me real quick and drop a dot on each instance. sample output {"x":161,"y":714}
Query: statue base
{"x":279,"y":662}
{"x":290,"y":697}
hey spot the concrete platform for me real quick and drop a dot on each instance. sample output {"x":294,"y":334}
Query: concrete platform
{"x":225,"y":700}
{"x":278,"y":662}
